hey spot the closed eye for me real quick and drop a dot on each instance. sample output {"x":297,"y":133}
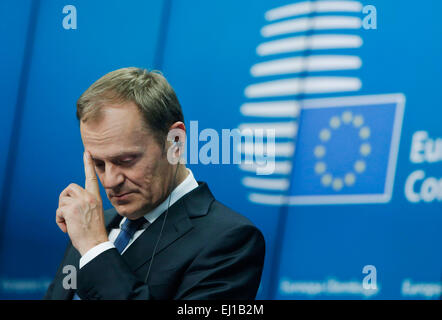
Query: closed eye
{"x":126,"y":161}
{"x":123,"y":160}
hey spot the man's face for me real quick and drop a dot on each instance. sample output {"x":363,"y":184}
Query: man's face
{"x":129,"y":162}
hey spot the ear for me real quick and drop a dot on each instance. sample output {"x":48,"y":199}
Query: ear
{"x":178,"y":125}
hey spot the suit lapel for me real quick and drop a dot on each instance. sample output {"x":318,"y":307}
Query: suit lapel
{"x":178,"y":222}
{"x":141,"y":250}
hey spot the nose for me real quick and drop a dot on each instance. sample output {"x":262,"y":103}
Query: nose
{"x":112,"y":177}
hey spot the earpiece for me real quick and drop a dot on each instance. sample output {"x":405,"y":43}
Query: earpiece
{"x":177,"y":142}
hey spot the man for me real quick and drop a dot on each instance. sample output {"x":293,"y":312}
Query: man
{"x":166,"y":237}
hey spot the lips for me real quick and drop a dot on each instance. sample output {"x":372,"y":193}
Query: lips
{"x":119,"y":196}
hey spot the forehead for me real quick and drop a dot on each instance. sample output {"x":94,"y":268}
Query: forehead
{"x":119,"y":128}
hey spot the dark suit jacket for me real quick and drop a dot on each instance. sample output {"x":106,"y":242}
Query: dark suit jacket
{"x":206,"y":251}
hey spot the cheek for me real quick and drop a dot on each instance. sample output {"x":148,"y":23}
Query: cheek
{"x":148,"y":176}
{"x":153,"y":183}
{"x":143,"y":177}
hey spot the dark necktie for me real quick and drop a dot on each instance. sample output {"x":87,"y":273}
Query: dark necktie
{"x":127,"y":231}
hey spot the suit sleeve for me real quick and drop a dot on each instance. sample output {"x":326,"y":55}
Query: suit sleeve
{"x":108,"y":277}
{"x":229,"y":267}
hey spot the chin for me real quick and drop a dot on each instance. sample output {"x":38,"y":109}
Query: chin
{"x":127,"y":210}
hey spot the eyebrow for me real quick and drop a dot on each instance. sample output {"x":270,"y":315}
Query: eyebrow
{"x":119,"y":155}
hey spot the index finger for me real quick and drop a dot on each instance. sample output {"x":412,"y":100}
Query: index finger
{"x":91,"y":181}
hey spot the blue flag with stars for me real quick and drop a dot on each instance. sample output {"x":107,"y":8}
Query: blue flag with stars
{"x":347,"y":149}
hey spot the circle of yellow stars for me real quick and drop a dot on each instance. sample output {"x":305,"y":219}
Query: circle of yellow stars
{"x":349,"y":179}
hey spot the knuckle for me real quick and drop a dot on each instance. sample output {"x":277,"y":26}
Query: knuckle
{"x":62,"y":193}
{"x":64,"y":203}
{"x":91,"y":199}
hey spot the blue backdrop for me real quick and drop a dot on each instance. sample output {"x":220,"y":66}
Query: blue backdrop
{"x":352,"y":89}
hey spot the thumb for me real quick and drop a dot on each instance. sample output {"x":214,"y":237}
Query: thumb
{"x":91,"y":181}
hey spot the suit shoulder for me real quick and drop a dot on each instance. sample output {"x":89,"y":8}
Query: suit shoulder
{"x":227,"y":218}
{"x":229,"y":228}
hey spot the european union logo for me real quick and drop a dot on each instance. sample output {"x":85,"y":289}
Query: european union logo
{"x":347,"y":149}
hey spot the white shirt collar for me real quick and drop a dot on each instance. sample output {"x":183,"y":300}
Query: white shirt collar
{"x":188,"y":184}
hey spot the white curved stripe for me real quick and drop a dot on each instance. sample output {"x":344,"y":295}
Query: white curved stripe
{"x":306,"y":24}
{"x":266,"y":183}
{"x":308,"y":7}
{"x":282,"y":129}
{"x":267,"y":199}
{"x":351,"y":101}
{"x":302,"y":64}
{"x":271,"y":109}
{"x":281,"y":167}
{"x":316,"y":42}
{"x":282,"y":149}
{"x":309,"y":85}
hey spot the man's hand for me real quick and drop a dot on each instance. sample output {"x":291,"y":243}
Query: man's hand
{"x":80,"y":211}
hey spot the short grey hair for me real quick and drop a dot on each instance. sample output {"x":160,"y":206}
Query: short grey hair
{"x":149,"y":90}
